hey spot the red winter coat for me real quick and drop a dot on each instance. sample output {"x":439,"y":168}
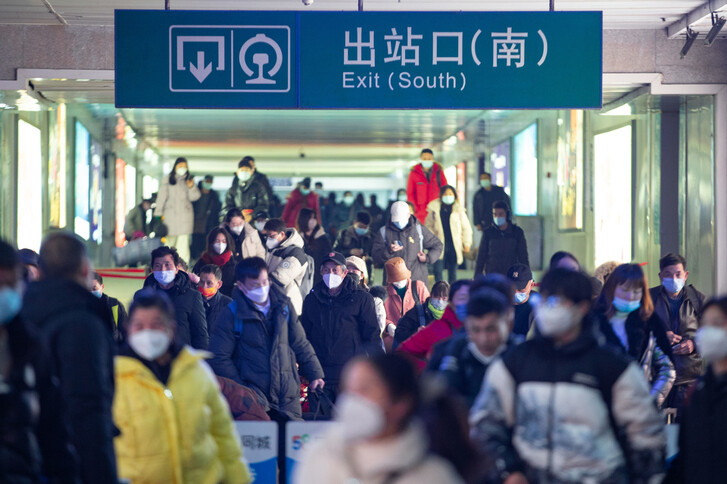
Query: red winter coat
{"x":421,"y":190}
{"x":419,"y":346}
{"x":296,"y":201}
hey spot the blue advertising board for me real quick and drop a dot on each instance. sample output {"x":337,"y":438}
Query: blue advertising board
{"x":361,"y":60}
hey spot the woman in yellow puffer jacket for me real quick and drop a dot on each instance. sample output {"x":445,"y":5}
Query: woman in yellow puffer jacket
{"x":175,"y":425}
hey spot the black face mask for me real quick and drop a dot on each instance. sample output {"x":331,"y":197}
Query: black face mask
{"x":355,"y":278}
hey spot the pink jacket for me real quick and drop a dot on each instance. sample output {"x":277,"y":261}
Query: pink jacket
{"x":393,"y":303}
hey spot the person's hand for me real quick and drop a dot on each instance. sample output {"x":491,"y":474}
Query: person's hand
{"x":466,"y":248}
{"x":190,"y":183}
{"x":194,"y":278}
{"x":317,"y":385}
{"x":673,"y":337}
{"x":395,"y":247}
{"x":357,"y":252}
{"x":516,"y":478}
{"x":391,"y":329}
{"x":421,"y":256}
{"x":479,"y":227}
{"x":686,"y":347}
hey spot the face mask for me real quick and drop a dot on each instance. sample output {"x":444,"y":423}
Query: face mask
{"x":219,"y":247}
{"x":304,"y":191}
{"x":427,"y":164}
{"x":555,"y":320}
{"x":460,"y":310}
{"x":236,"y":230}
{"x":500,"y":221}
{"x":358,"y":417}
{"x":150,"y":344}
{"x":673,"y":286}
{"x":332,"y":280}
{"x":401,"y":225}
{"x":400,"y":284}
{"x":520,"y":297}
{"x":260,"y":226}
{"x":243,"y":176}
{"x":98,"y":293}
{"x":440,"y":304}
{"x":348,"y":201}
{"x":207,"y":185}
{"x":448,"y":199}
{"x":360,"y":231}
{"x":355,"y":278}
{"x":272,"y":243}
{"x":624,"y":306}
{"x":312,"y":223}
{"x":436,"y":312}
{"x":10,"y":304}
{"x":402,"y":197}
{"x":208,"y":292}
{"x":712,"y":343}
{"x":485,"y":184}
{"x":165,"y":277}
{"x":180,"y":171}
{"x":258,"y":295}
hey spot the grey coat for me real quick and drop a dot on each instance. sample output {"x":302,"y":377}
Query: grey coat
{"x":174,"y":203}
{"x":409,"y":237}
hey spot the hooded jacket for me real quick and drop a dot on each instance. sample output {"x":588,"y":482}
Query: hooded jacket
{"x":340,"y":327}
{"x":410,"y":240}
{"x":188,"y":310}
{"x":420,"y":345}
{"x":482,"y":204}
{"x":266,"y":354}
{"x":296,"y":201}
{"x":554,"y":413}
{"x":286,"y":267}
{"x":422,"y":189}
{"x":500,"y":249}
{"x":176,"y":433}
{"x":688,"y":367}
{"x":174,"y":203}
{"x":459,"y":226}
{"x":77,"y":329}
{"x":249,"y":195}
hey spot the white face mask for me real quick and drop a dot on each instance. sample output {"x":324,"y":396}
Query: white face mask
{"x":555,"y":320}
{"x":258,"y":295}
{"x":244,"y":176}
{"x":272,"y":243}
{"x":150,"y":344}
{"x":359,"y":418}
{"x":400,"y":284}
{"x":180,"y":171}
{"x":260,"y":226}
{"x":165,"y":277}
{"x":427,"y":164}
{"x":438,"y":304}
{"x":237,"y":230}
{"x":332,"y":281}
{"x":219,"y":247}
{"x":712,"y":343}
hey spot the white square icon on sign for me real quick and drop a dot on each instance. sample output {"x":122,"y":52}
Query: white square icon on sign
{"x":229,"y":58}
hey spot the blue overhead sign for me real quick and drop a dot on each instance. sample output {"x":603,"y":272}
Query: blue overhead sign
{"x":366,"y":60}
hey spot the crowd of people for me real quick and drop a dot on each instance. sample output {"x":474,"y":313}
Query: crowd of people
{"x":481,"y":380}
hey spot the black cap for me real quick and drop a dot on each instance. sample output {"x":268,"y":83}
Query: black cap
{"x":28,"y":257}
{"x":336,"y":257}
{"x":520,"y":274}
{"x":261,"y":214}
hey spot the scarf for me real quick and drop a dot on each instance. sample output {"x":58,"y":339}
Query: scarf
{"x":217,"y":259}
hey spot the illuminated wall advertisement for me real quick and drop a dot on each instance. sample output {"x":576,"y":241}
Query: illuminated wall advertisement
{"x":96,"y":203}
{"x":525,"y":171}
{"x":612,"y":195}
{"x":570,"y":170}
{"x":81,"y":223}
{"x":30,"y":210}
{"x":130,"y":188}
{"x":119,"y":236}
{"x":462,"y":182}
{"x":500,"y":165}
{"x":149,"y":186}
{"x":57,"y":167}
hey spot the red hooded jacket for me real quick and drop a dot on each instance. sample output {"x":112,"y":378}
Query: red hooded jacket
{"x":421,"y":190}
{"x":419,"y":346}
{"x":296,"y":201}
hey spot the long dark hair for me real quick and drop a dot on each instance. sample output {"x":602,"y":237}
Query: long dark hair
{"x":448,"y":187}
{"x":304,"y":216}
{"x":632,"y":275}
{"x":213,"y":235}
{"x":173,"y":174}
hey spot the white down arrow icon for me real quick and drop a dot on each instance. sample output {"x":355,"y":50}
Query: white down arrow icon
{"x":200,"y":71}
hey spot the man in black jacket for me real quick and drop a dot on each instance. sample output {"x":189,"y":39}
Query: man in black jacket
{"x":340,"y":320}
{"x":522,"y":278}
{"x":78,"y":330}
{"x":188,"y":306}
{"x":358,"y":240}
{"x":206,"y":215}
{"x":248,"y":192}
{"x":503,"y":243}
{"x":679,"y":307}
{"x":483,"y":200}
{"x":116,"y":307}
{"x":210,"y":283}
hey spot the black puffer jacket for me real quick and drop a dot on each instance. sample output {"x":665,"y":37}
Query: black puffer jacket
{"x":340,"y":327}
{"x":188,"y":310}
{"x":77,"y":329}
{"x":249,"y":195}
{"x":411,"y":322}
{"x":213,"y":308}
{"x":264,"y":354}
{"x":500,"y":249}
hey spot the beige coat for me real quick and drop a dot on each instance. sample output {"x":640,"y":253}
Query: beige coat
{"x":288,"y":271}
{"x":458,"y":223}
{"x":174,"y":203}
{"x":251,"y":245}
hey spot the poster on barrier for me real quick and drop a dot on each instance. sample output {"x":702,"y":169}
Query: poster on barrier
{"x":298,"y":436}
{"x":260,"y":447}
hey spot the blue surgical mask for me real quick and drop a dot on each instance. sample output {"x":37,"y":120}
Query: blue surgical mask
{"x":448,"y":199}
{"x":625,"y":306}
{"x":460,"y":310}
{"x":485,"y":184}
{"x":304,"y":191}
{"x":361,"y":231}
{"x":500,"y":221}
{"x":673,"y":286}
{"x":520,"y":297}
{"x":10,"y":304}
{"x":427,"y":164}
{"x":439,"y":304}
{"x":401,"y":197}
{"x":401,"y":225}
{"x":98,"y":293}
{"x":165,"y":277}
{"x":207,"y":185}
